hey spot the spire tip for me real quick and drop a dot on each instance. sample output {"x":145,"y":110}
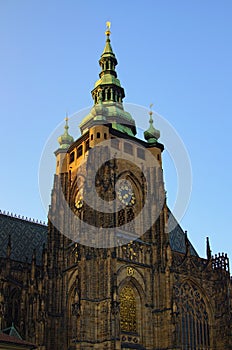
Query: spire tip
{"x":108,"y":25}
{"x":151,"y":113}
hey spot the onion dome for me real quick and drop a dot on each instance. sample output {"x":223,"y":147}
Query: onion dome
{"x":65,"y":140}
{"x":151,"y":134}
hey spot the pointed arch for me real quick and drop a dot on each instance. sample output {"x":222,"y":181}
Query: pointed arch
{"x":73,"y":311}
{"x":193,"y":326}
{"x":127,"y":214}
{"x":131,"y":299}
{"x":14,"y":307}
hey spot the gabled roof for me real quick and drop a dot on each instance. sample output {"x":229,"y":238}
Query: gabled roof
{"x":177,"y":236}
{"x":12,"y":331}
{"x":25,"y":237}
{"x":19,"y":343}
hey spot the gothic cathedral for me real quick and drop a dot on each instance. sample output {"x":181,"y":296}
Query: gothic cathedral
{"x":113,"y":269}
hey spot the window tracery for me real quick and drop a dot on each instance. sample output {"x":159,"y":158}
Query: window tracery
{"x":121,"y":217}
{"x":126,"y":216}
{"x":130,"y":219}
{"x":193,"y":325}
{"x":128,"y":310}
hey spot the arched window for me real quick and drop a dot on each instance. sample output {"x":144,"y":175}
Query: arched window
{"x":14,"y":307}
{"x":73,"y":314}
{"x":128,"y":310}
{"x":193,"y":325}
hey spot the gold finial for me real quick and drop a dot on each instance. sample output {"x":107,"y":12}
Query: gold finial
{"x":151,"y":112}
{"x":108,"y":25}
{"x":66,"y":121}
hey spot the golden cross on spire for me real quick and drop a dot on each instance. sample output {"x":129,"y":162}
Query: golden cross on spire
{"x":66,"y":121}
{"x":108,"y":25}
{"x":151,"y":112}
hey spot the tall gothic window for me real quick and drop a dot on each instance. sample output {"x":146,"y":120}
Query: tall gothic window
{"x":193,"y":325}
{"x":74,"y":313}
{"x":128,"y":310}
{"x":14,"y":307}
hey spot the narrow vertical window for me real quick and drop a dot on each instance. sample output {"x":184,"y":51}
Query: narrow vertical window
{"x":79,"y":151}
{"x":140,"y":153}
{"x":128,"y":310}
{"x":87,"y":145}
{"x":115,"y":143}
{"x":72,"y":156}
{"x":130,"y":220}
{"x":121,"y":217}
{"x":128,"y":148}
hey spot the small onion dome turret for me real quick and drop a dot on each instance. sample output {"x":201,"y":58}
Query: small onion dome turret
{"x":65,"y":140}
{"x":151,"y":134}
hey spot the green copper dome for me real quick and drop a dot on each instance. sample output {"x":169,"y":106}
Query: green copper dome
{"x":151,"y":134}
{"x":108,"y":95}
{"x":65,"y":140}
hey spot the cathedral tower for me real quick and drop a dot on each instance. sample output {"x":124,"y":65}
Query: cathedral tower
{"x":113,"y":270}
{"x":116,"y":278}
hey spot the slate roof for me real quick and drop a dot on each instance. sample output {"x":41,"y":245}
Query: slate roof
{"x":25,"y":237}
{"x":28,"y":235}
{"x":177,"y":236}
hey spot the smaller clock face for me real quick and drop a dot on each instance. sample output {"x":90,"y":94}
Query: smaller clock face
{"x":79,"y":200}
{"x":125,"y":194}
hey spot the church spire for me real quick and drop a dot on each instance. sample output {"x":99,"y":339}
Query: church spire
{"x":108,"y":95}
{"x":108,"y":87}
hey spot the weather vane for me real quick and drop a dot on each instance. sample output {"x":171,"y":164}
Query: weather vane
{"x":108,"y":25}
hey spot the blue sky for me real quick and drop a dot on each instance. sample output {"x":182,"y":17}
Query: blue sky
{"x":176,"y":54}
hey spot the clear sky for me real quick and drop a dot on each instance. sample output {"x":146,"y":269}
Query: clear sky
{"x":176,"y":54}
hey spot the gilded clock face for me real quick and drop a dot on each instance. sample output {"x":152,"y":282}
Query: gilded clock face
{"x":79,"y":200}
{"x":125,"y":194}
